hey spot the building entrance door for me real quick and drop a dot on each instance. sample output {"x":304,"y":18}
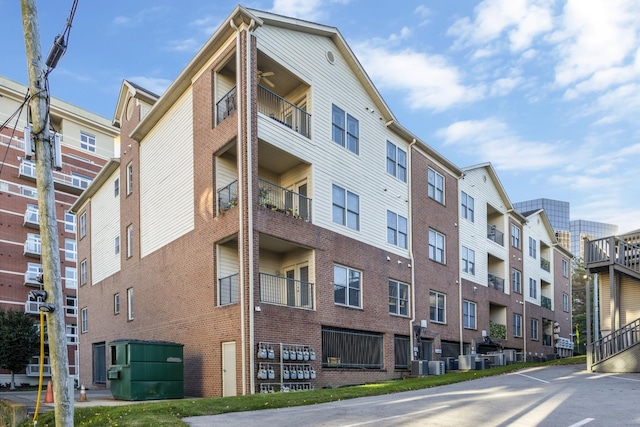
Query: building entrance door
{"x":228,"y":369}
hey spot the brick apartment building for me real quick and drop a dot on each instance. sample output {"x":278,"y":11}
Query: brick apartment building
{"x":269,"y":212}
{"x":87,"y":141}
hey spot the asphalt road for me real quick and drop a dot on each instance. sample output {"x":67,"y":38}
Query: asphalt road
{"x":555,"y":396}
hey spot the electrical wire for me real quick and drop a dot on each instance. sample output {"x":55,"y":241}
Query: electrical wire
{"x":16,"y":114}
{"x":61,"y":42}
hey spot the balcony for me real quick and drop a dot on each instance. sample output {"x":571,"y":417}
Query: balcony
{"x":27,"y":170}
{"x":33,"y":248}
{"x":228,"y":290}
{"x":280,"y":199}
{"x":282,"y":111}
{"x":495,"y":235}
{"x":75,"y":184}
{"x":281,"y":290}
{"x":31,"y":217}
{"x":227,"y":105}
{"x":495,"y":282}
{"x":545,"y":302}
{"x":545,"y":264}
{"x":228,"y":197}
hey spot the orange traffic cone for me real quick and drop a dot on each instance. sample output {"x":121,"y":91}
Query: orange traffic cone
{"x":48,"y":398}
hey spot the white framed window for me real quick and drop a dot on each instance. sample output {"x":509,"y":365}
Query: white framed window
{"x":79,"y":180}
{"x":70,"y":250}
{"x":129,"y":178}
{"x":71,"y":305}
{"x":87,"y":142}
{"x":436,"y":186}
{"x":33,"y":243}
{"x":29,"y":192}
{"x":516,"y":281}
{"x":437,"y":307}
{"x":398,"y":298}
{"x":130,"y":304}
{"x":396,"y":229}
{"x":347,"y":286}
{"x":345,"y":136}
{"x":346,"y":207}
{"x":130,"y":241}
{"x":116,"y":187}
{"x":34,"y":270}
{"x":436,"y":246}
{"x":469,"y":314}
{"x":72,"y":333}
{"x":468,"y":260}
{"x":83,"y":272}
{"x":84,"y":327}
{"x":83,"y":224}
{"x":533,"y":247}
{"x":565,"y":268}
{"x":565,"y":302}
{"x":467,"y":206}
{"x":534,"y":329}
{"x":517,"y":325}
{"x":396,"y":162}
{"x":70,"y":278}
{"x":116,"y":303}
{"x":116,"y":244}
{"x":515,"y":236}
{"x":69,"y":222}
{"x":533,"y":288}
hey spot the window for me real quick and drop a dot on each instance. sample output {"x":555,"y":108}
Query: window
{"x":34,"y":270}
{"x":346,"y":286}
{"x":565,"y":268}
{"x":129,"y":178}
{"x":516,"y":281}
{"x":468,"y":261}
{"x":71,"y":305}
{"x":130,"y":304}
{"x":348,"y":136}
{"x":87,"y":142}
{"x":83,"y":224}
{"x":515,"y":236}
{"x":565,"y":302}
{"x":437,"y":302}
{"x":29,"y":192}
{"x":402,"y":350}
{"x":396,"y":162}
{"x":533,"y":248}
{"x":396,"y":230}
{"x":70,"y":249}
{"x":533,"y":288}
{"x":116,"y":304}
{"x":129,"y":241}
{"x":72,"y":333}
{"x":469,"y":314}
{"x":83,"y":320}
{"x":517,"y":325}
{"x":116,"y":244}
{"x":436,"y":246}
{"x":69,"y":222}
{"x":79,"y":180}
{"x":534,"y":329}
{"x":398,"y":298}
{"x":346,"y":208}
{"x":116,"y":187}
{"x":70,"y":278}
{"x":436,"y":186}
{"x":348,"y":348}
{"x":33,"y":243}
{"x":83,"y":272}
{"x":228,"y":291}
{"x":467,"y":206}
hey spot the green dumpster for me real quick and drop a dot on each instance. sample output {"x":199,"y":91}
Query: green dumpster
{"x":146,"y":370}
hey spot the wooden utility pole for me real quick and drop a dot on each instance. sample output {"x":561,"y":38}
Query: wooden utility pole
{"x":59,"y":359}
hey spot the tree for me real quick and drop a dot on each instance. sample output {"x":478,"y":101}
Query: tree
{"x":579,"y":282}
{"x":19,"y":341}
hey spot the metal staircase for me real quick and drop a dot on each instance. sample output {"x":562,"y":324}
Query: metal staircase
{"x":614,"y":344}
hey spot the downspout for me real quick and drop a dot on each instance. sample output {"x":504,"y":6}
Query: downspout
{"x":459,"y":280}
{"x":240,"y":210}
{"x":411,"y":256}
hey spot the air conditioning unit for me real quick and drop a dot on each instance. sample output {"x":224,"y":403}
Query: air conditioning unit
{"x":419,"y":367}
{"x":466,"y":362}
{"x":436,"y":367}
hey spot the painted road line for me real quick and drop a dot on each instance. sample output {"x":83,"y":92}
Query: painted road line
{"x":532,"y":378}
{"x":396,"y":416}
{"x":583,"y":422}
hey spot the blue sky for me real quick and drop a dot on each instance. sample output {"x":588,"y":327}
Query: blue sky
{"x":548,"y":91}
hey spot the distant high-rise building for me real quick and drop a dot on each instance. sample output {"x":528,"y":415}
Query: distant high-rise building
{"x":581,"y":228}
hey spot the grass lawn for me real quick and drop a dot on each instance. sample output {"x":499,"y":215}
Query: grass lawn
{"x":170,"y":412}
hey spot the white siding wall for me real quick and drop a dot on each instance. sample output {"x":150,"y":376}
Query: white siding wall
{"x":363,"y":174}
{"x":166,"y":178}
{"x":535,"y":228}
{"x":105,"y":212}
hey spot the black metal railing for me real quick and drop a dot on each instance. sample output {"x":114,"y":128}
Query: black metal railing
{"x":227,"y":105}
{"x":545,"y":302}
{"x":228,"y":197}
{"x":495,"y":282}
{"x":494,"y":234}
{"x":283,"y":111}
{"x":545,"y":264}
{"x":228,"y":290}
{"x":281,"y":290}
{"x":280,"y":199}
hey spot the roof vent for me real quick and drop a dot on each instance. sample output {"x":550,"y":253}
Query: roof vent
{"x":330,"y":57}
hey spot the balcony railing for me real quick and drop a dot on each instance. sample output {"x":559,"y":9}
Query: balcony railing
{"x":32,"y":247}
{"x":280,"y":199}
{"x":228,"y":290}
{"x":227,"y":105}
{"x":283,"y":111}
{"x":612,"y":250}
{"x":28,"y":169}
{"x":31,"y":218}
{"x":545,"y":302}
{"x":284,"y":291}
{"x":494,"y":234}
{"x":496,"y":282}
{"x":228,"y":197}
{"x":545,"y":264}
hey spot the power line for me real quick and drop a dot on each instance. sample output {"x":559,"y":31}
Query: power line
{"x":17,"y":115}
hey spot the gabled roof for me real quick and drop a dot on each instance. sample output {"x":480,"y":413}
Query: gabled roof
{"x":546,"y":223}
{"x":131,"y":89}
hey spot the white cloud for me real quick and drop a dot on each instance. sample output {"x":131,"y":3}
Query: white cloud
{"x":424,"y":13}
{"x":306,"y":9}
{"x":186,"y":45}
{"x":505,"y":86}
{"x":154,"y":84}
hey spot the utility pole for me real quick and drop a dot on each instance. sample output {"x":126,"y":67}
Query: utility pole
{"x":39,"y":106}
